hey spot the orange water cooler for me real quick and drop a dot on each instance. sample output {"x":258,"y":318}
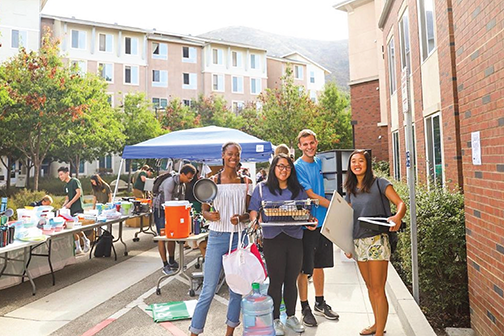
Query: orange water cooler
{"x":177,"y":219}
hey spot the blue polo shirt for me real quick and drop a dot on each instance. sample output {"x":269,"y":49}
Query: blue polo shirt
{"x":310,"y":176}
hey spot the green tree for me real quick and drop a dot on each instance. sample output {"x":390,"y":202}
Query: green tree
{"x":332,"y":120}
{"x":286,"y":111}
{"x":178,"y":117}
{"x":97,"y":132}
{"x":43,"y":104}
{"x":213,"y":110}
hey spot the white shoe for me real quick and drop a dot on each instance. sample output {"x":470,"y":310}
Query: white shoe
{"x":87,"y":245}
{"x":294,"y":324}
{"x":78,"y":249}
{"x":279,"y":327}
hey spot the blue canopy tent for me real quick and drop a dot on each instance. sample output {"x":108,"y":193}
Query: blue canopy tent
{"x":198,"y":144}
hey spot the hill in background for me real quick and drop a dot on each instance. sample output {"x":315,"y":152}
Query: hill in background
{"x":332,"y":55}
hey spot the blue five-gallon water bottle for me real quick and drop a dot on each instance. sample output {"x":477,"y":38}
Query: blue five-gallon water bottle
{"x":257,"y":312}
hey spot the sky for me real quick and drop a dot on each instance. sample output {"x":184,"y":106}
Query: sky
{"x":313,"y":19}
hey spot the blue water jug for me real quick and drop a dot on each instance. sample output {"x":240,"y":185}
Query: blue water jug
{"x":257,"y":312}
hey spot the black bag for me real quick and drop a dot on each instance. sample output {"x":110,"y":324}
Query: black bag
{"x":103,"y":245}
{"x":393,"y":238}
{"x":157,"y":183}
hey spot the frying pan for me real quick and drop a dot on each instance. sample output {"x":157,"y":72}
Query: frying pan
{"x":205,"y":191}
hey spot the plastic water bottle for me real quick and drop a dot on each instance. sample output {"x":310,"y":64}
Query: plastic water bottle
{"x":283,"y":312}
{"x":257,"y":312}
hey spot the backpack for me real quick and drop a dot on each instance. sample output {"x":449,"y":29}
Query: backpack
{"x":104,"y":245}
{"x":157,"y":183}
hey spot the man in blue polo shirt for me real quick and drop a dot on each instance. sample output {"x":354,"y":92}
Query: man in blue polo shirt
{"x":317,"y":249}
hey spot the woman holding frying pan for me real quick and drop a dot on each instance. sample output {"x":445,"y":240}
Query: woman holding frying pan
{"x":229,"y":215}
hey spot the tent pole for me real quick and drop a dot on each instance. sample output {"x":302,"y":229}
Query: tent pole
{"x":117,"y":181}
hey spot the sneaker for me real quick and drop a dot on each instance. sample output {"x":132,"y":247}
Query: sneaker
{"x":279,"y":327}
{"x":308,"y":318}
{"x":294,"y":324}
{"x":167,"y":270}
{"x":325,"y":310}
{"x":173,"y":266}
{"x":87,"y":245}
{"x":78,"y":250}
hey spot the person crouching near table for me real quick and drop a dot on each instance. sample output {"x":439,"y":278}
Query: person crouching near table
{"x":372,"y":249}
{"x":283,"y":245}
{"x":229,"y":216}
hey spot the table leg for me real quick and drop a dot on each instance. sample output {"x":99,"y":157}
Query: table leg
{"x":181,"y":266}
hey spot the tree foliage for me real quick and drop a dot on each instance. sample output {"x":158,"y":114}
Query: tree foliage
{"x":179,"y":116}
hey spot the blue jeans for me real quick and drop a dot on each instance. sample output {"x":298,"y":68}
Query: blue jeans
{"x":217,"y":246}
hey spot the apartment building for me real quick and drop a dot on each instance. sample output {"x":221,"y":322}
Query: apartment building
{"x":444,"y":58}
{"x":367,"y":73}
{"x":19,"y":27}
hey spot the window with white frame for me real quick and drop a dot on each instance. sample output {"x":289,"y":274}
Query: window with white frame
{"x":312,"y":77}
{"x":187,"y":102}
{"x":159,"y":102}
{"x":106,"y":71}
{"x":159,"y":50}
{"x":160,"y":78}
{"x":131,"y":74}
{"x":78,"y":39}
{"x":130,"y":45}
{"x":79,"y":66}
{"x":189,"y":54}
{"x":110,"y":98}
{"x":218,"y":82}
{"x":396,"y":155}
{"x":255,"y":85}
{"x":237,"y":106}
{"x":105,"y":42}
{"x":405,"y":42}
{"x":254,"y":61}
{"x":236,"y":57}
{"x":217,"y":56}
{"x":391,"y":65}
{"x":18,"y":38}
{"x":298,"y":72}
{"x":237,"y":84}
{"x":105,"y":162}
{"x":313,"y":96}
{"x":426,"y":24}
{"x":189,"y":81}
{"x":434,"y":150}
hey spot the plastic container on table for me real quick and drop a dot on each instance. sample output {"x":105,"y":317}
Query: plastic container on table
{"x":177,"y":219}
{"x":257,"y":312}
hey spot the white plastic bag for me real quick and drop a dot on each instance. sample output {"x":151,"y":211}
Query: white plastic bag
{"x":242,"y":268}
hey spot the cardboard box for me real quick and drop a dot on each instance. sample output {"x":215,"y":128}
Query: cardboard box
{"x":135,"y":222}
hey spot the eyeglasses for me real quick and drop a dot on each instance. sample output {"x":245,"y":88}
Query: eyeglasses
{"x":282,"y":167}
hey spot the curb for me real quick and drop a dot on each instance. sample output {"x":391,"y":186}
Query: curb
{"x":411,"y":316}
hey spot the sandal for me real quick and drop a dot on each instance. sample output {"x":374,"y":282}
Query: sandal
{"x":369,"y":331}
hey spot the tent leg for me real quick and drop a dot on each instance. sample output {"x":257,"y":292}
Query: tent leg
{"x":117,"y":181}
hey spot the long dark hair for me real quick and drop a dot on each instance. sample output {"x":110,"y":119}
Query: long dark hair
{"x":351,"y":181}
{"x":292,"y":181}
{"x":100,"y":184}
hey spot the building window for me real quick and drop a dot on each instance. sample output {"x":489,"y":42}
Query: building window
{"x":397,"y":156}
{"x":110,"y":99}
{"x":426,"y":18}
{"x":130,"y":45}
{"x":79,"y":67}
{"x":313,"y":96}
{"x":159,"y":50}
{"x":255,"y":85}
{"x":237,"y":84}
{"x":254,"y":60}
{"x":236,"y":57}
{"x":81,"y":166}
{"x":217,"y":56}
{"x":160,"y":78}
{"x":187,"y":102}
{"x":78,"y":39}
{"x":189,"y":81}
{"x":405,"y":42}
{"x":391,"y":65}
{"x":18,"y":38}
{"x":131,"y":74}
{"x":218,"y":82}
{"x":188,"y":54}
{"x":105,"y":42}
{"x":160,"y":102}
{"x":105,"y":162}
{"x":434,"y":150}
{"x":237,"y":106}
{"x":312,"y":77}
{"x":298,"y":72}
{"x":106,"y":71}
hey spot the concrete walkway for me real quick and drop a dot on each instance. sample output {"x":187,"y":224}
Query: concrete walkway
{"x":116,"y":298}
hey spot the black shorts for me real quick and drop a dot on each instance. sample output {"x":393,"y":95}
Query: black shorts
{"x":317,"y":251}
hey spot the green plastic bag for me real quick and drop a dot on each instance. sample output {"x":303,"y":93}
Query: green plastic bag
{"x":172,"y":311}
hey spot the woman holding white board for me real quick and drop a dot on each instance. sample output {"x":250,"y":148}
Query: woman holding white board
{"x":370,"y":196}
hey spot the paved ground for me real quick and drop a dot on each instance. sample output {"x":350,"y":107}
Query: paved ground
{"x":104,"y":297}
